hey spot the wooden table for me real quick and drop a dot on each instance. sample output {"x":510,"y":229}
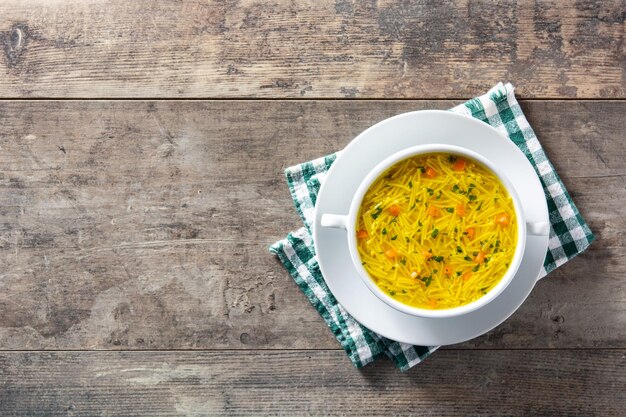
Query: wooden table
{"x":142,"y":146}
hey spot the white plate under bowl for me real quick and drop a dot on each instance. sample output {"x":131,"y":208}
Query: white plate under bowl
{"x":364,"y":153}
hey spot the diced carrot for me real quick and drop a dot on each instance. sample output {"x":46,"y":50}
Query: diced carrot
{"x":434,"y":211}
{"x":466,"y":275}
{"x":431,"y":173}
{"x":432,"y":303}
{"x":362,"y":234}
{"x":459,"y":165}
{"x":460,"y":210}
{"x":471,"y":232}
{"x":394,"y":210}
{"x":480,"y":258}
{"x":502,"y":219}
{"x":391,"y":253}
{"x":427,"y":254}
{"x":447,"y":270}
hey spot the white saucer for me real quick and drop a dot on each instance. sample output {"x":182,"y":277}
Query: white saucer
{"x":342,"y":181}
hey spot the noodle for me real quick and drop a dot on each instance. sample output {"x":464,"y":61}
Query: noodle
{"x":436,"y":231}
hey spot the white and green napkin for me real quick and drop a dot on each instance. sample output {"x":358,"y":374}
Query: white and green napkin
{"x":569,"y":234}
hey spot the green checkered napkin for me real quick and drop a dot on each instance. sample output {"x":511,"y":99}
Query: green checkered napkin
{"x":569,"y":234}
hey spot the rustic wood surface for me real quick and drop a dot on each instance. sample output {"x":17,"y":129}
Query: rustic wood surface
{"x":136,"y":211}
{"x":145,"y":225}
{"x":341,"y":48}
{"x":298,"y":383}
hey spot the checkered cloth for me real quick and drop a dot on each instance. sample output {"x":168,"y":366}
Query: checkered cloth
{"x":569,"y":234}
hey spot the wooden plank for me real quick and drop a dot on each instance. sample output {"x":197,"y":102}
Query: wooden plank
{"x":145,"y":225}
{"x":451,"y":383}
{"x":212,"y":49}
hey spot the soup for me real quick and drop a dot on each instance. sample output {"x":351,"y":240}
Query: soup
{"x":436,"y":231}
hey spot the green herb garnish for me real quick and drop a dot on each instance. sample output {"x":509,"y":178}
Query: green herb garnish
{"x":434,"y":233}
{"x":379,"y":210}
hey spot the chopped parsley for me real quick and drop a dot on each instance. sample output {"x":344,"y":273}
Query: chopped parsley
{"x":459,"y":249}
{"x":375,"y":214}
{"x":450,"y":209}
{"x":403,"y":261}
{"x":472,"y":197}
{"x":430,"y":191}
{"x":438,"y":258}
{"x":384,"y":232}
{"x":452,"y":159}
{"x":467,"y":258}
{"x":475,"y":269}
{"x":410,"y":184}
{"x":434,"y":233}
{"x":394,"y":237}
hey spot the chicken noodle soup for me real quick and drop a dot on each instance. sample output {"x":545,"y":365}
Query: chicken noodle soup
{"x":436,"y":231}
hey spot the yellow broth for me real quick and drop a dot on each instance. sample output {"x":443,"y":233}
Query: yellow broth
{"x":436,"y":231}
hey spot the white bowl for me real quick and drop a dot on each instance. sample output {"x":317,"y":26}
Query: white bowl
{"x":348,"y":222}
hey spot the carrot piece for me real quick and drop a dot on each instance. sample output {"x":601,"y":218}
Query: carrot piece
{"x":394,"y":210}
{"x":432,"y":303}
{"x":466,"y":275}
{"x":480,"y":258}
{"x":391,"y":253}
{"x":503,"y":219}
{"x":459,"y":165}
{"x":471,"y":232}
{"x":362,"y":234}
{"x":434,"y":211}
{"x":427,"y":254}
{"x":447,"y":270}
{"x":460,"y":210}
{"x":431,"y":173}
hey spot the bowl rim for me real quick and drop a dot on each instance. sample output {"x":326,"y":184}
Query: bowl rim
{"x":419,"y":150}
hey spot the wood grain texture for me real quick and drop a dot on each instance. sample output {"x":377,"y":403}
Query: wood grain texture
{"x":145,"y":225}
{"x":298,"y":383}
{"x":340,"y":48}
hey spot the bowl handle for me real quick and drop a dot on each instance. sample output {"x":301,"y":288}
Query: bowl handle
{"x":538,"y":229}
{"x":336,"y":221}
